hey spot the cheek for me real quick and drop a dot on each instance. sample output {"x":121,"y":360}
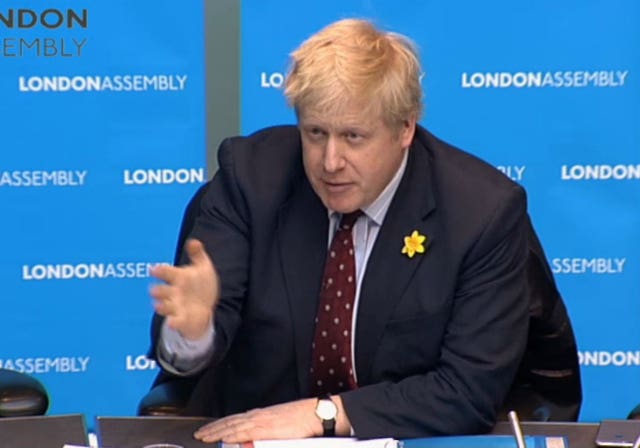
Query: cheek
{"x":377,"y":170}
{"x":369,"y":168}
{"x":311,"y":162}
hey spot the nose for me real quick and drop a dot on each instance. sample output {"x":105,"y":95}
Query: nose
{"x":333,"y":160}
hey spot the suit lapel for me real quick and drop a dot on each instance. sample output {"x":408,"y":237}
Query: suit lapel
{"x":303,"y":228}
{"x":388,"y":271}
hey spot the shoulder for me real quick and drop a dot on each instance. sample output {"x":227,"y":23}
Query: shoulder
{"x":262,"y":167}
{"x":269,"y":152}
{"x":476,"y":203}
{"x":266,"y":145}
{"x":463,"y":180}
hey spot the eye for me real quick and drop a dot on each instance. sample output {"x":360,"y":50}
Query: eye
{"x":315,"y":133}
{"x":353,"y":137}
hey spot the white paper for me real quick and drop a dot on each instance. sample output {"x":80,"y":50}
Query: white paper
{"x":327,"y":442}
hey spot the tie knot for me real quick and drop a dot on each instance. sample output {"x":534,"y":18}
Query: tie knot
{"x":348,"y":219}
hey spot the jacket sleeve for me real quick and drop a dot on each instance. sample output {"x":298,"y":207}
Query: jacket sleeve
{"x":223,"y":227}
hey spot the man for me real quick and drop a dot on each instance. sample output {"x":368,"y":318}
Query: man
{"x":412,"y":322}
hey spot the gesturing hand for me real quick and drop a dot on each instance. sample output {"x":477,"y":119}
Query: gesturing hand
{"x":190,"y":292}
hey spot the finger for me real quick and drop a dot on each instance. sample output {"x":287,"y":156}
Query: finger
{"x":239,"y":436}
{"x":163,"y":309}
{"x":166,"y":299}
{"x":217,"y":425}
{"x":162,"y":292}
{"x":197,"y":253}
{"x":175,"y":322}
{"x":207,"y":432}
{"x":216,"y":429}
{"x":170,"y":310}
{"x":203,"y":429}
{"x":165,"y":272}
{"x":237,"y":432}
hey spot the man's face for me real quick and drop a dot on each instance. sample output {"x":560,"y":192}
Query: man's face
{"x":350,"y":157}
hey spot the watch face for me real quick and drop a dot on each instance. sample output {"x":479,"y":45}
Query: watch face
{"x":326,"y":409}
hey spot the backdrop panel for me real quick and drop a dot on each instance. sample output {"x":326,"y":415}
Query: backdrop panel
{"x":102,"y":117}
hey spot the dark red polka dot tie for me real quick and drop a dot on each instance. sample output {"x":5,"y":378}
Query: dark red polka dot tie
{"x":331,"y":363}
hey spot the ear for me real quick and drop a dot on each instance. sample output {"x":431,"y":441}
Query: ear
{"x":407,"y":131}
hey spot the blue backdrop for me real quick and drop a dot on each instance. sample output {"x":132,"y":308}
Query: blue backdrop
{"x":102,"y":144}
{"x":104,"y":140}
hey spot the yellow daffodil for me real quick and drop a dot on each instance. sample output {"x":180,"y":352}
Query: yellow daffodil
{"x":413,"y":244}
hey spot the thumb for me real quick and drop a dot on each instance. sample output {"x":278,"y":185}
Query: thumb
{"x":195,"y":251}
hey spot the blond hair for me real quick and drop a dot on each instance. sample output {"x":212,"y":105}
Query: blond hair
{"x":352,"y":60}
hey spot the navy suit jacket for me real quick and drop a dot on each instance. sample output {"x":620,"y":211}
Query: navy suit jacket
{"x":439,"y":336}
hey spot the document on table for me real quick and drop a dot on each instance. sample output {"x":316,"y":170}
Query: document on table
{"x":318,"y":442}
{"x":477,"y":441}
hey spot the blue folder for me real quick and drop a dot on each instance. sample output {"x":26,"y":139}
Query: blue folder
{"x":484,"y":441}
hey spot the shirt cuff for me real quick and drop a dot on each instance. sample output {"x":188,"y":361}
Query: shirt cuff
{"x":181,"y":356}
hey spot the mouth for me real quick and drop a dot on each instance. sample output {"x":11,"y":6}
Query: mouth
{"x":337,"y":187}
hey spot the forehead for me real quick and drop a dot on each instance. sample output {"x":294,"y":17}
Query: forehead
{"x":347,"y":115}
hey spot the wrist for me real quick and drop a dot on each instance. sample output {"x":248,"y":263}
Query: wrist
{"x":199,"y":333}
{"x":343,"y":424}
{"x":326,"y":411}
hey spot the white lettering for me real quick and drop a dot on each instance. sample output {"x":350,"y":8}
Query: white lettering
{"x":519,"y":80}
{"x":164,"y":176}
{"x":42,"y":178}
{"x":588,"y":265}
{"x":600,"y":172}
{"x":47,"y":365}
{"x":83,"y":271}
{"x":515,"y":172}
{"x":96,"y":83}
{"x":603,"y":358}
{"x":139,"y":363}
{"x":271,"y":80}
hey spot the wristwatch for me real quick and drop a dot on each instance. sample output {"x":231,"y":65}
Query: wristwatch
{"x":326,"y":410}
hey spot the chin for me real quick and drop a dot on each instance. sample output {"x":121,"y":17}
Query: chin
{"x":342,"y":206}
{"x":343,"y":202}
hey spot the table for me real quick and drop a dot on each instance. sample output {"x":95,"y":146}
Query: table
{"x":580,"y":435}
